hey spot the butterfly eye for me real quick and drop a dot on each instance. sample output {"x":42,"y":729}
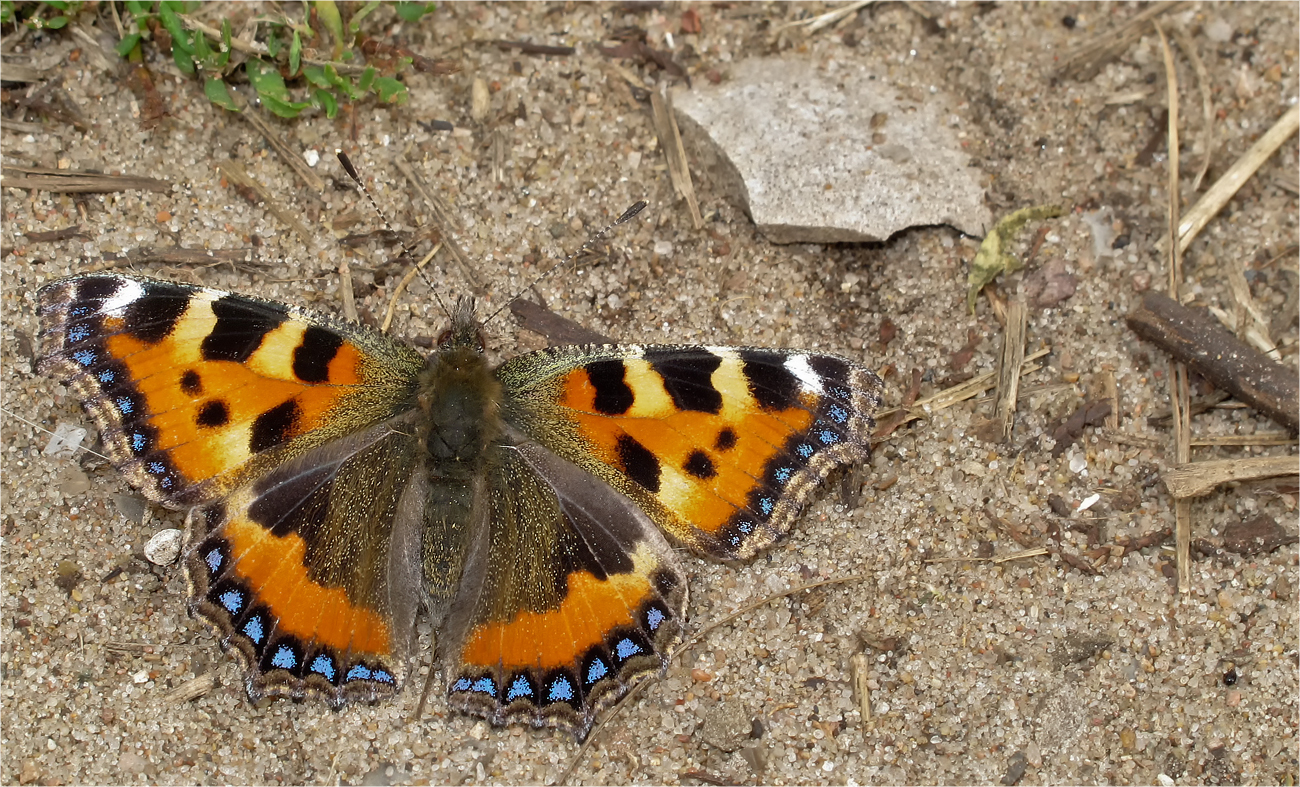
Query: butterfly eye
{"x":444,"y":338}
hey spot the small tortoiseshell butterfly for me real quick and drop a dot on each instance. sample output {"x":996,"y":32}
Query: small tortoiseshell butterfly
{"x":338,"y":481}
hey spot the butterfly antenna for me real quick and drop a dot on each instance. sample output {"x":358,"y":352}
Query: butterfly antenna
{"x":627,"y":216}
{"x":406,"y":250}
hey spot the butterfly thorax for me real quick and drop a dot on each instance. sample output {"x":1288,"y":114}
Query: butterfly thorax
{"x":459,"y":400}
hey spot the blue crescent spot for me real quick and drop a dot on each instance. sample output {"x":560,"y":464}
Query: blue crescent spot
{"x":382,"y":676}
{"x":561,"y":690}
{"x":654,"y":617}
{"x":485,"y":686}
{"x":253,"y":629}
{"x":138,"y":442}
{"x":626,"y":648}
{"x":359,"y":672}
{"x":805,"y":450}
{"x":107,"y":376}
{"x":78,"y":333}
{"x":324,"y":665}
{"x":783,"y":474}
{"x":167,"y":483}
{"x":519,"y":687}
{"x":828,"y":437}
{"x":734,"y":540}
{"x":284,"y":658}
{"x":232,"y":600}
{"x":80,"y":311}
{"x":766,"y":504}
{"x":461,"y":684}
{"x":84,"y":357}
{"x":745,"y":526}
{"x":214,"y":559}
{"x":596,"y":671}
{"x":125,"y":404}
{"x":839,"y":414}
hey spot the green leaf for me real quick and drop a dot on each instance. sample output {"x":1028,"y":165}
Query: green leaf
{"x":991,"y":259}
{"x":6,"y":12}
{"x":390,"y":90}
{"x":325,"y":100}
{"x":183,"y":61}
{"x":328,"y":13}
{"x":411,"y":12}
{"x":274,"y":46}
{"x":201,"y":48}
{"x":282,"y":108}
{"x":316,"y":76}
{"x":56,"y":22}
{"x":217,"y":93}
{"x":367,"y":78}
{"x":138,"y":7}
{"x":62,"y":5}
{"x":125,"y":46}
{"x":354,"y":24}
{"x":225,"y":33}
{"x":295,"y":54}
{"x":266,"y":79}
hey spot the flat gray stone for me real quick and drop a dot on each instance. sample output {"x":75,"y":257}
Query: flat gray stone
{"x":818,"y":156}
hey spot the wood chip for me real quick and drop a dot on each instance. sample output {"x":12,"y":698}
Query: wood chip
{"x":1010,"y":359}
{"x":1200,"y":478}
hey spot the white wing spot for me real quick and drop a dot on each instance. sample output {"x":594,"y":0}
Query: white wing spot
{"x":127,"y":293}
{"x":798,"y":366}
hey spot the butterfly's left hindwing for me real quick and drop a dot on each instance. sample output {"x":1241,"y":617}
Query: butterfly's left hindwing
{"x":570,"y":596}
{"x":721,"y":446}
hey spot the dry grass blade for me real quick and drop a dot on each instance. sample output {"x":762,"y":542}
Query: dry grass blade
{"x":260,"y":195}
{"x":1217,"y":195}
{"x":1188,"y":47}
{"x":66,"y":181}
{"x":290,"y":156}
{"x":1087,"y":60}
{"x":442,"y":219}
{"x":1200,"y":478}
{"x":961,"y":392}
{"x":401,"y":286}
{"x":1010,"y":359}
{"x":1180,"y":393}
{"x":1259,"y":438}
{"x":670,"y":141}
{"x":814,"y":23}
{"x":345,"y":290}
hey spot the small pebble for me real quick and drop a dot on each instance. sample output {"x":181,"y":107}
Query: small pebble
{"x":164,"y":547}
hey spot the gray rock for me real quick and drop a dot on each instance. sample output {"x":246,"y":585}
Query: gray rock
{"x":726,"y":726}
{"x":818,"y":156}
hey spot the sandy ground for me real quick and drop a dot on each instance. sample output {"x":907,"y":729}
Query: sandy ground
{"x":977,"y":670}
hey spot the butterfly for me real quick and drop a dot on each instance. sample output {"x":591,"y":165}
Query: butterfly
{"x":340,"y":482}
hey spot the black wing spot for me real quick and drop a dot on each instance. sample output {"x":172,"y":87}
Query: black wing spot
{"x":613,"y":396}
{"x":726,"y":439}
{"x":700,"y":465}
{"x":639,"y":463}
{"x":214,"y":414}
{"x":191,"y":383}
{"x":312,"y":356}
{"x":772,"y":385}
{"x":274,"y":426}
{"x":241,"y":326}
{"x":688,"y":378}
{"x":153,"y":316}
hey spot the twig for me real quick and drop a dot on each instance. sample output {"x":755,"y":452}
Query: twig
{"x":67,"y":181}
{"x":1217,"y":195}
{"x":1198,"y":340}
{"x":961,"y":392}
{"x":1200,"y":478}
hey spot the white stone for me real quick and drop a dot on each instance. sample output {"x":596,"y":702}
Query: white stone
{"x":164,"y":547}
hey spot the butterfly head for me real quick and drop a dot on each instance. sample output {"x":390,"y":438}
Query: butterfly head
{"x":465,"y":330}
